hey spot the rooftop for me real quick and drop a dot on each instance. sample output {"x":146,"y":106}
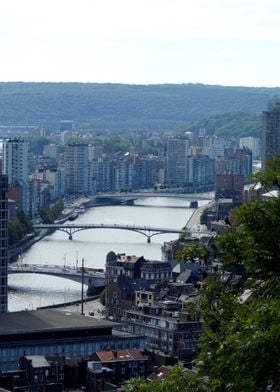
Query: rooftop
{"x":38,"y":361}
{"x":120,"y":355}
{"x":46,"y":320}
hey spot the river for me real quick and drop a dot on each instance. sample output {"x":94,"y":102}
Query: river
{"x":30,"y":291}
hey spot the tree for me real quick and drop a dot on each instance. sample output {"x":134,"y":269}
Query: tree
{"x":18,"y":227}
{"x":193,"y":250}
{"x":37,"y":144}
{"x":50,"y":214}
{"x":270,"y":178}
{"x":240,"y":344}
{"x":178,"y":380}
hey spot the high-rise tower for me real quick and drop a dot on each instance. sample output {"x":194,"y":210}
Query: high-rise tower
{"x":271,"y":131}
{"x":177,"y":151}
{"x":78,"y":169}
{"x":3,"y":243}
{"x":15,"y":165}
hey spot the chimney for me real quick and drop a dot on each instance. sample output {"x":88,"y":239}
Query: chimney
{"x":115,"y":354}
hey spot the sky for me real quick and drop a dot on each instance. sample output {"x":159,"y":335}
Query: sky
{"x":224,"y":42}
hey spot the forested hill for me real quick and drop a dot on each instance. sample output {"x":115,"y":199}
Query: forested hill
{"x":121,"y":106}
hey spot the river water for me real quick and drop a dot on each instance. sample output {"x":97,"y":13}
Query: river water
{"x":30,"y":291}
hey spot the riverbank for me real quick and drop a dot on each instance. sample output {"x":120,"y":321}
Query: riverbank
{"x":26,"y":243}
{"x":93,"y":246}
{"x":194,"y":220}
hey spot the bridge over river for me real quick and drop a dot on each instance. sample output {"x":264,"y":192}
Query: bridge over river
{"x":135,"y":195}
{"x":95,"y":280}
{"x":70,"y":229}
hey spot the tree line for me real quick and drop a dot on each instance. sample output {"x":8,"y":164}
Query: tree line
{"x":124,"y":107}
{"x":21,"y":224}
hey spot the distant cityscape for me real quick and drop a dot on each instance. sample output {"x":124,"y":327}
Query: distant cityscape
{"x":148,"y":324}
{"x":66,"y":165}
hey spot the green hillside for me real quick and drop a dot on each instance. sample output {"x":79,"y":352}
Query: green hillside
{"x":121,"y":107}
{"x":228,"y":124}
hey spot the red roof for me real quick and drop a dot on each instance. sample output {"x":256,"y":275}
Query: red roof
{"x":120,"y":355}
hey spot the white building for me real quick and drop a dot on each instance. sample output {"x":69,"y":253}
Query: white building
{"x":51,"y":151}
{"x":253,"y":143}
{"x":55,"y":177}
{"x":15,"y":165}
{"x":213,"y":146}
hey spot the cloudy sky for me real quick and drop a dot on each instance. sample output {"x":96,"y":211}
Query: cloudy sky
{"x":227,"y":42}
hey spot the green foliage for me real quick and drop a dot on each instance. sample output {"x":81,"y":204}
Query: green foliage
{"x":255,"y":242}
{"x":50,"y":214}
{"x":178,"y":380}
{"x":127,"y":107}
{"x":270,"y":178}
{"x":240,"y":346}
{"x":19,"y":227}
{"x":191,"y":251}
{"x":239,"y":349}
{"x":115,"y":144}
{"x":37,"y":144}
{"x":229,"y":124}
{"x":203,"y":217}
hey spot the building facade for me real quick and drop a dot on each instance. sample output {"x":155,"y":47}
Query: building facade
{"x":166,"y":328}
{"x":253,"y":143}
{"x":15,"y":165}
{"x":3,"y":243}
{"x":124,"y":364}
{"x":270,"y":131}
{"x":78,"y":169}
{"x":229,"y":186}
{"x":51,"y":332}
{"x":200,"y":170}
{"x":177,"y":151}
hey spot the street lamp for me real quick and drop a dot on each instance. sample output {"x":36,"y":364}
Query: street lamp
{"x":82,"y":291}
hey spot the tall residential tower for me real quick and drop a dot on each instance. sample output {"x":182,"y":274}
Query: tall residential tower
{"x":177,"y":151}
{"x":15,"y":165}
{"x":78,"y":169}
{"x":3,"y":243}
{"x":271,"y":131}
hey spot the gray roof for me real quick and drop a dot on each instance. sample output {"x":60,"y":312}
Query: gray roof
{"x":46,"y":320}
{"x":38,"y":361}
{"x":188,"y":276}
{"x":181,"y":267}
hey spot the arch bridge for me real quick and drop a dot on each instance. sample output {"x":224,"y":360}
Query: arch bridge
{"x":70,"y":229}
{"x":95,"y":280}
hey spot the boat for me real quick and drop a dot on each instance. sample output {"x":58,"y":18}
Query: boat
{"x":73,"y":216}
{"x":80,"y":209}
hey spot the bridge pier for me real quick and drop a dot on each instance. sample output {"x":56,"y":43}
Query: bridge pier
{"x":148,"y":239}
{"x":70,"y":237}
